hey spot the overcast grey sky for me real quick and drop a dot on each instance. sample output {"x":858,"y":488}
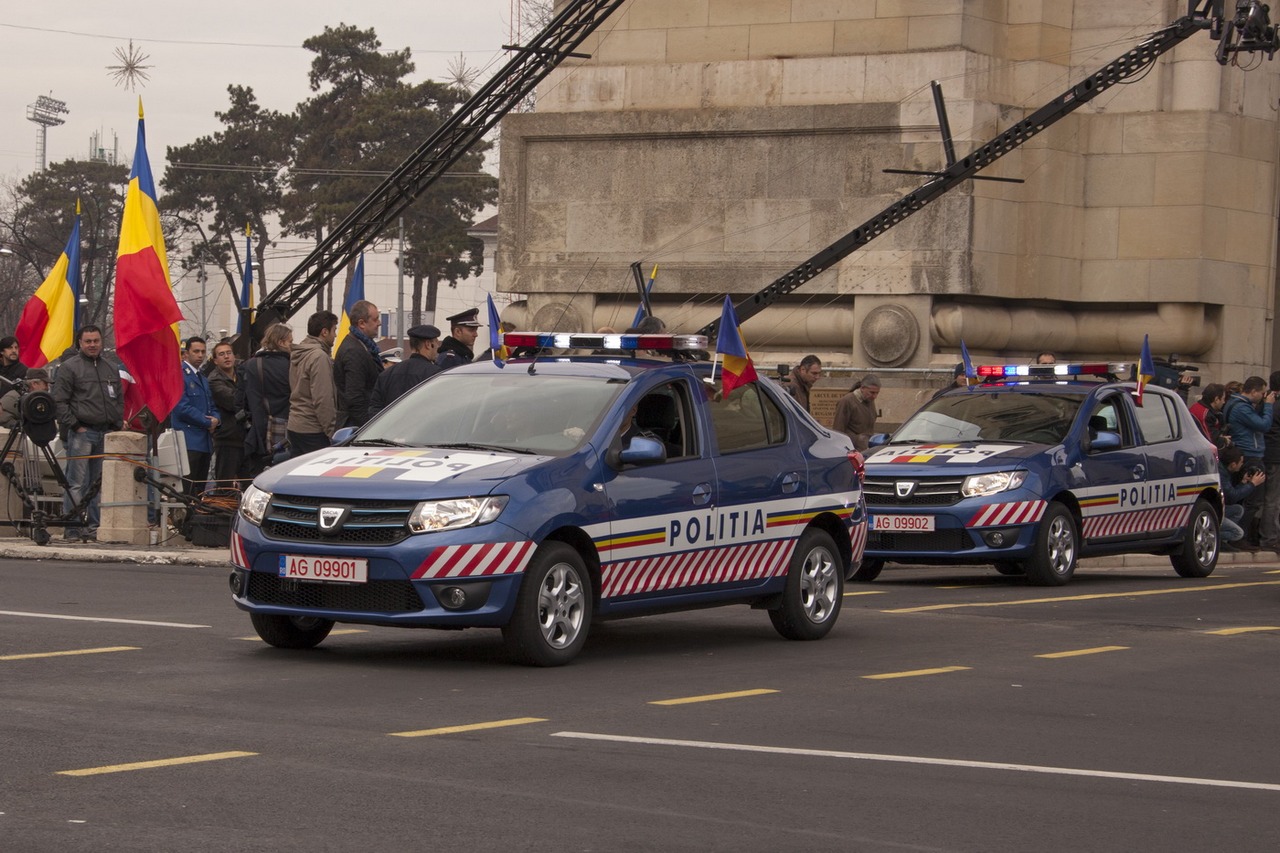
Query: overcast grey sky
{"x":196,"y":50}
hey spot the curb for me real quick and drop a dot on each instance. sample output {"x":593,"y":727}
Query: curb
{"x":107,"y":553}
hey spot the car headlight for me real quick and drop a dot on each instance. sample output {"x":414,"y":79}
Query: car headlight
{"x":254,"y":503}
{"x":430,"y":516}
{"x":981,"y":485}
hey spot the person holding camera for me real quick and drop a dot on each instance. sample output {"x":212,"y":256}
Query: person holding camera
{"x":1248,"y":417}
{"x":37,"y":379}
{"x":228,"y":438}
{"x":1234,"y":495}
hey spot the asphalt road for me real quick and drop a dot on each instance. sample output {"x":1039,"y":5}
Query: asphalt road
{"x":949,"y":710}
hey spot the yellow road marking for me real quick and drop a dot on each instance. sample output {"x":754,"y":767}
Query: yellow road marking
{"x":868,"y":592}
{"x":1228,"y":632}
{"x":256,"y":638}
{"x":147,"y":765}
{"x":473,"y":727}
{"x":712,"y":697}
{"x":1078,"y":652}
{"x":936,"y":671}
{"x":1134,"y":594}
{"x":70,"y":653}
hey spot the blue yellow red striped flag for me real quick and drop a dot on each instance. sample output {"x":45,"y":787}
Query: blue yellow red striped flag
{"x":47,"y":325}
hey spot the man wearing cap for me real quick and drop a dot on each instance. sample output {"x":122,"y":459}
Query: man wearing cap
{"x":856,"y":412}
{"x":357,"y":365}
{"x":37,"y":380}
{"x":456,"y":349}
{"x":397,"y":379}
{"x":958,"y":380}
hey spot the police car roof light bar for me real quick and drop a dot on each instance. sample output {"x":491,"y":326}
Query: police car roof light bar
{"x":1051,"y":371}
{"x":564,"y":340}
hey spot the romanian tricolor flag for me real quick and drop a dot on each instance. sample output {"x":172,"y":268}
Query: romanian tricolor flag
{"x":1146,"y":367}
{"x":146,"y":315}
{"x":246,"y":291}
{"x":47,"y":326}
{"x":354,"y":295}
{"x":495,"y":335}
{"x":738,"y":369}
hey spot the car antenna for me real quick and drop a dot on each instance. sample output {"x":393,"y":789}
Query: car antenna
{"x":534,"y":362}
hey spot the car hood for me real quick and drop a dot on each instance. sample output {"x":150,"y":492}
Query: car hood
{"x":396,"y":472}
{"x":940,"y":459}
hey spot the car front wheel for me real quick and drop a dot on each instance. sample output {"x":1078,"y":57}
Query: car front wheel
{"x":1057,"y":547}
{"x":291,"y":632}
{"x":814,"y":591}
{"x":1199,"y":554}
{"x":553,"y":608}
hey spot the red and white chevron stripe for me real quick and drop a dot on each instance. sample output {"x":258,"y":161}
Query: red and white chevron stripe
{"x":469,"y":561}
{"x":697,"y":568}
{"x":1145,"y":520}
{"x":858,"y":539}
{"x":1018,"y":512}
{"x":238,"y":556}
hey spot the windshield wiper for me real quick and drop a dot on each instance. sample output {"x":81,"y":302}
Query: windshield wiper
{"x":493,"y":448}
{"x":378,"y":442}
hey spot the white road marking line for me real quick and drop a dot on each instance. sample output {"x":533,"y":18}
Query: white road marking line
{"x":101,"y":619}
{"x":917,"y":759}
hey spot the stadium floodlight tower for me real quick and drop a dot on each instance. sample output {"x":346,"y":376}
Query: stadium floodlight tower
{"x":46,"y":112}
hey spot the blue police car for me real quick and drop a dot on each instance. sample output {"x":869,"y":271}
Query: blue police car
{"x":1039,"y":466}
{"x":541,"y":495}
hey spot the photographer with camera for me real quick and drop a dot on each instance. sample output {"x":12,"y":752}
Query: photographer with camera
{"x":37,"y":379}
{"x":1248,"y":417}
{"x":1234,"y":496}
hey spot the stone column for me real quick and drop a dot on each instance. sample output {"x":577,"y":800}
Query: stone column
{"x":124,"y":500}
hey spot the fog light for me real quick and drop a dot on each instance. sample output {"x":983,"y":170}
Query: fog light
{"x":453,"y":597}
{"x":999,"y":538}
{"x":463,"y":596}
{"x":237,"y":583}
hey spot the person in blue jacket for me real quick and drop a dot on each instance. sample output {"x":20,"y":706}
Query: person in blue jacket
{"x":195,"y":416}
{"x":1247,"y":417}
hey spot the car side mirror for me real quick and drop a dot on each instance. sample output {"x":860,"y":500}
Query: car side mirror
{"x":643,"y":451}
{"x":878,"y":440}
{"x":1105,"y":440}
{"x":343,"y":435}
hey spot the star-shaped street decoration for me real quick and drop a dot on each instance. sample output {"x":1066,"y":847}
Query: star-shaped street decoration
{"x":130,"y":73}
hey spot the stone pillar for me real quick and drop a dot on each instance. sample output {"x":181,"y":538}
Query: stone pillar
{"x":124,"y":500}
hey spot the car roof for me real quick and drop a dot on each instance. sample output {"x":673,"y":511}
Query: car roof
{"x":587,"y":366}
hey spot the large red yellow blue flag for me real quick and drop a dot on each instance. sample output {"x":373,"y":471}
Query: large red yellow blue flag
{"x":146,"y":314}
{"x":47,"y":325}
{"x":355,"y":294}
{"x":737,"y":368}
{"x":1146,"y":367}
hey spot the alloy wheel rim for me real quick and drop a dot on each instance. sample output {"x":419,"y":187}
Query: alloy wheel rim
{"x":561,"y":606}
{"x":818,"y":585}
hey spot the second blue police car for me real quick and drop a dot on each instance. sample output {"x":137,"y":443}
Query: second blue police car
{"x":1039,"y":466}
{"x":542,"y":495}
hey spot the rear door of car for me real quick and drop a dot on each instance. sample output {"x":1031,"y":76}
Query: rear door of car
{"x":1172,"y":466}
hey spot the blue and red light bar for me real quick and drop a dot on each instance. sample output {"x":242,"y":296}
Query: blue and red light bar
{"x":576,"y":340}
{"x":1051,"y":371}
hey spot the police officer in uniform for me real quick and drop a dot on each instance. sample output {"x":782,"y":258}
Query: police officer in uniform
{"x":457,"y":347}
{"x":398,"y":379}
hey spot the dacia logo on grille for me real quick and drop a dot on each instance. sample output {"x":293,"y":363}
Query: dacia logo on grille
{"x":904,"y":488}
{"x":331,"y":518}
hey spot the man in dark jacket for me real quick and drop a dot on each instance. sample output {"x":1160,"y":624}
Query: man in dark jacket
{"x":397,"y":379}
{"x":90,"y":403}
{"x":265,"y":392}
{"x":1248,"y":417}
{"x":457,"y":349}
{"x":357,"y":364}
{"x":228,"y":438}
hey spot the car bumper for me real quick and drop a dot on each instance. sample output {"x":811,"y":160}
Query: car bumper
{"x":971,"y":531}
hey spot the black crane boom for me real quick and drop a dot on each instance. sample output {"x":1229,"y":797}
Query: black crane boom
{"x":513,"y":82}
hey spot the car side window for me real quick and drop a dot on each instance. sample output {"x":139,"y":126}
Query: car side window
{"x":664,"y":414}
{"x":747,"y":419}
{"x":1108,"y":415}
{"x":1157,"y":419}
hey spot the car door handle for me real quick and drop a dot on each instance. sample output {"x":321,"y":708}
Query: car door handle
{"x":790,"y":482}
{"x":701,"y":494}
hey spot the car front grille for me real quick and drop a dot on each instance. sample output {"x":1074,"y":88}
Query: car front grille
{"x":371,"y":597}
{"x":883,"y":491}
{"x":295,"y":518}
{"x":951,"y":539}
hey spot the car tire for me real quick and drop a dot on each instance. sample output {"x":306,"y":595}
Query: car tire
{"x":1010,"y":567}
{"x":553,"y":608}
{"x":868,"y":570}
{"x":291,"y":632}
{"x":1057,"y":548}
{"x":1200,"y":545}
{"x":815,"y":589}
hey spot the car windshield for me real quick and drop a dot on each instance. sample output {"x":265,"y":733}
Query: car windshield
{"x":1040,"y":418}
{"x":510,"y":410}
